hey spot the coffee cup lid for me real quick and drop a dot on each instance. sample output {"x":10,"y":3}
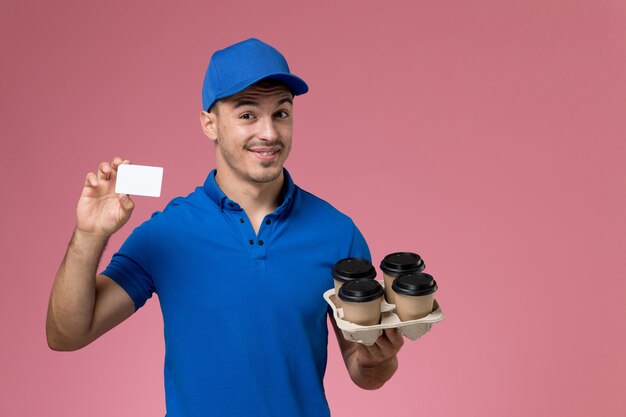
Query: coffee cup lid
{"x":361,"y":290}
{"x":414,"y":284}
{"x":402,"y":263}
{"x":349,"y":269}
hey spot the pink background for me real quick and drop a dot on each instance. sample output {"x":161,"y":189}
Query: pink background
{"x":488,"y":136}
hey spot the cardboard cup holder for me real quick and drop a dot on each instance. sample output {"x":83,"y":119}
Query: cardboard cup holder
{"x":367,"y":335}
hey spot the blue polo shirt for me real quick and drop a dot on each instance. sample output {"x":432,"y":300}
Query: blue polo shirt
{"x":244,"y":317}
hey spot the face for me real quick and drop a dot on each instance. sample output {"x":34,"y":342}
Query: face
{"x":252,"y":131}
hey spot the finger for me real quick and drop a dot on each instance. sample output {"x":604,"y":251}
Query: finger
{"x":385,"y":345}
{"x":104,"y":170}
{"x":373,"y":351}
{"x":91,"y":180}
{"x":389,"y":346}
{"x":395,"y":337}
{"x":363,"y":353}
{"x":116,"y":162}
{"x":124,"y":162}
{"x":127,"y":204}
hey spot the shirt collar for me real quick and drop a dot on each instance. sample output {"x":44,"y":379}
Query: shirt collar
{"x":223,"y":202}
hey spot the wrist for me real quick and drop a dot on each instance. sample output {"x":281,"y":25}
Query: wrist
{"x":84,"y":239}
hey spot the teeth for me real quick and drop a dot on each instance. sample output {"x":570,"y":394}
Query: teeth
{"x":267,"y":153}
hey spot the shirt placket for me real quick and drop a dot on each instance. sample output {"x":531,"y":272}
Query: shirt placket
{"x":257,"y":243}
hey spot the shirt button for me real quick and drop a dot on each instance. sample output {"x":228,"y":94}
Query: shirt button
{"x":251,"y":242}
{"x":260,"y":243}
{"x":268,"y":221}
{"x":241,"y":220}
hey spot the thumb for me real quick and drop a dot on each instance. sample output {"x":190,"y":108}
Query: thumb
{"x":127,"y":204}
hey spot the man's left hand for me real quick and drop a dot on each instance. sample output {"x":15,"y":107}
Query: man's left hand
{"x":385,"y":348}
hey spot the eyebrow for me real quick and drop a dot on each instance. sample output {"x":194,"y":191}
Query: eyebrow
{"x":244,"y":101}
{"x":286,"y":100}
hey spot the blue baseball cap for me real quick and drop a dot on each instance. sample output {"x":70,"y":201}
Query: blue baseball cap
{"x":238,"y":66}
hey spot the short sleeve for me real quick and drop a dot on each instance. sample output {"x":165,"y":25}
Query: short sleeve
{"x":131,"y":268}
{"x":358,"y":247}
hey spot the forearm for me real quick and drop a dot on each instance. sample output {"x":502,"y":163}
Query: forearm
{"x":371,"y":377}
{"x":72,"y":300}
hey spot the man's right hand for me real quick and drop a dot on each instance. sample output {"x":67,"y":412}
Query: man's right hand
{"x":83,"y":305}
{"x":100,"y":211}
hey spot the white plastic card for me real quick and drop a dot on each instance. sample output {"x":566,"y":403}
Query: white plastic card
{"x":139,"y":180}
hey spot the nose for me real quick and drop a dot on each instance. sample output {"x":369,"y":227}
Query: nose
{"x":267,"y":130}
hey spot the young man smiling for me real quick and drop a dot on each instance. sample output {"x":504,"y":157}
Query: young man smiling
{"x":239,"y":265}
{"x":252,"y":133}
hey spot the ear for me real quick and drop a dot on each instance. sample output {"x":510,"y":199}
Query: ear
{"x":208,"y":121}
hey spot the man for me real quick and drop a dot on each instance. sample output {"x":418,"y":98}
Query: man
{"x":239,"y":265}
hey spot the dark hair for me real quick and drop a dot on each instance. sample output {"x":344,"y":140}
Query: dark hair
{"x":272,"y":82}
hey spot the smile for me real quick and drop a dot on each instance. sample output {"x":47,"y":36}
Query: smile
{"x":265,"y":155}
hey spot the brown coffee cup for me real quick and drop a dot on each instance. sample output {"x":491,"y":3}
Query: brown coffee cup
{"x":350,"y":269}
{"x":362,"y":300}
{"x":414,"y":295}
{"x":396,"y":264}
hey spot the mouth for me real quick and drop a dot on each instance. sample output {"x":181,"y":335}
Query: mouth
{"x":265,"y":154}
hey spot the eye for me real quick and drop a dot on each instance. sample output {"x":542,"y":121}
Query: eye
{"x":281,"y":114}
{"x":246,"y":116}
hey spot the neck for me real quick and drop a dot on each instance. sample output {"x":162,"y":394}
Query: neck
{"x":251,"y":196}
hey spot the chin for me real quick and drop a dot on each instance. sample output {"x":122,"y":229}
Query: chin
{"x":266,"y":175}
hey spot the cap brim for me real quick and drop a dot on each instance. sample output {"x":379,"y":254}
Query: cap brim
{"x":294,"y":83}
